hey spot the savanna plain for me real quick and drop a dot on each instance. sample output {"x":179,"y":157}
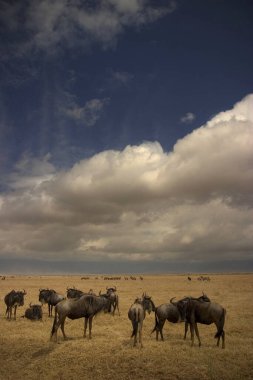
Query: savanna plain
{"x":26,"y":351}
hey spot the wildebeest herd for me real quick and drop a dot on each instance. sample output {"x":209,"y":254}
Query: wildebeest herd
{"x":78,"y":304}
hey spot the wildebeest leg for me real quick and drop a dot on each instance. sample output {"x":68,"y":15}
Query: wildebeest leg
{"x":140,"y":334}
{"x":197,"y":333}
{"x":7,"y":312}
{"x":62,"y":328}
{"x":85,"y":327}
{"x":223,"y":339}
{"x":185,"y":329}
{"x":135,"y":331}
{"x":48,"y":310}
{"x":160,"y":329}
{"x":118,"y":307}
{"x":192,"y":333}
{"x":55,"y":327}
{"x":15,"y":311}
{"x":90,"y":326}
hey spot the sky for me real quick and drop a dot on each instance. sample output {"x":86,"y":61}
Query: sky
{"x":126,"y":136}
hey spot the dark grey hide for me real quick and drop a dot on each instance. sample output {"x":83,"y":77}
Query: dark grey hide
{"x":137,"y":314}
{"x":85,"y":307}
{"x":34,"y":312}
{"x":13,"y":300}
{"x":50,"y":297}
{"x":114,"y":300}
{"x":174,"y":312}
{"x":205,"y":313}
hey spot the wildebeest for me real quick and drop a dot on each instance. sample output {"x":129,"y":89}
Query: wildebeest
{"x":50,"y":297}
{"x":205,"y":313}
{"x":13,"y":299}
{"x":74,"y":293}
{"x":113,"y":298}
{"x":174,"y":312}
{"x":34,"y":312}
{"x":74,"y":308}
{"x":137,"y":313}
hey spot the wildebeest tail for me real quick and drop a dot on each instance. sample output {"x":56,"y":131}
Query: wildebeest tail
{"x":135,"y":323}
{"x":221,"y":324}
{"x":156,"y":323}
{"x":54,"y":324}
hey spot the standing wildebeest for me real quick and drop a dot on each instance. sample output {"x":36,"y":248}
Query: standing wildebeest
{"x":34,"y":312}
{"x":174,"y":312}
{"x":74,"y":308}
{"x":74,"y":293}
{"x":50,"y":297}
{"x":137,"y":313}
{"x":13,"y":299}
{"x":205,"y":313}
{"x":114,"y":299}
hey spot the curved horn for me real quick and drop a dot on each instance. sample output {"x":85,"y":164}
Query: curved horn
{"x":30,"y":304}
{"x":107,"y":288}
{"x":24,"y":291}
{"x":171,"y":301}
{"x":115,"y":288}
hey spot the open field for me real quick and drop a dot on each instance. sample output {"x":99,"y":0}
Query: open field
{"x":27,"y":353}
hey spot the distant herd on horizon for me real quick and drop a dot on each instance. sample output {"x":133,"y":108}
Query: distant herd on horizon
{"x":78,"y":304}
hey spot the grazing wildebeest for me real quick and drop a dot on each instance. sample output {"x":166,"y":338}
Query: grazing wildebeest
{"x":114,"y":299}
{"x":34,"y":312}
{"x":137,"y":313}
{"x":74,"y":308}
{"x":13,"y":299}
{"x":206,"y":313}
{"x":189,"y":278}
{"x":174,"y":312}
{"x":50,"y":297}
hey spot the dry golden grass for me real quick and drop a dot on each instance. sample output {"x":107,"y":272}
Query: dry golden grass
{"x":27,"y":353}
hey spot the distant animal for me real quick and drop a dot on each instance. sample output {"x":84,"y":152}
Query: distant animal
{"x":206,"y":313}
{"x":114,"y":300}
{"x":34,"y":312}
{"x":137,"y":314}
{"x":86,"y":306}
{"x":13,"y":300}
{"x":50,"y":297}
{"x":189,"y":278}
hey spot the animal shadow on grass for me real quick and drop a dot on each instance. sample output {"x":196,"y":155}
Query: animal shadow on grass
{"x":43,"y":351}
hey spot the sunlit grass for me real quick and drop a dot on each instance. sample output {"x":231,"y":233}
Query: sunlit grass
{"x":27,"y":353}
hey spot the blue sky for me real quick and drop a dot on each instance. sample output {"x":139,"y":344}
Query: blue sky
{"x":101,"y":104}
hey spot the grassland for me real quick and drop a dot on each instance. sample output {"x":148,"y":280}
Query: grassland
{"x":27,"y":353}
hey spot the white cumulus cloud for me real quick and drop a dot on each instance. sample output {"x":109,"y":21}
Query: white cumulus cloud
{"x":141,"y":203}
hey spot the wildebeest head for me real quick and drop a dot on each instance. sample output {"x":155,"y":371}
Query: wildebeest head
{"x":148,"y":304}
{"x":111,"y":290}
{"x":44,"y":295}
